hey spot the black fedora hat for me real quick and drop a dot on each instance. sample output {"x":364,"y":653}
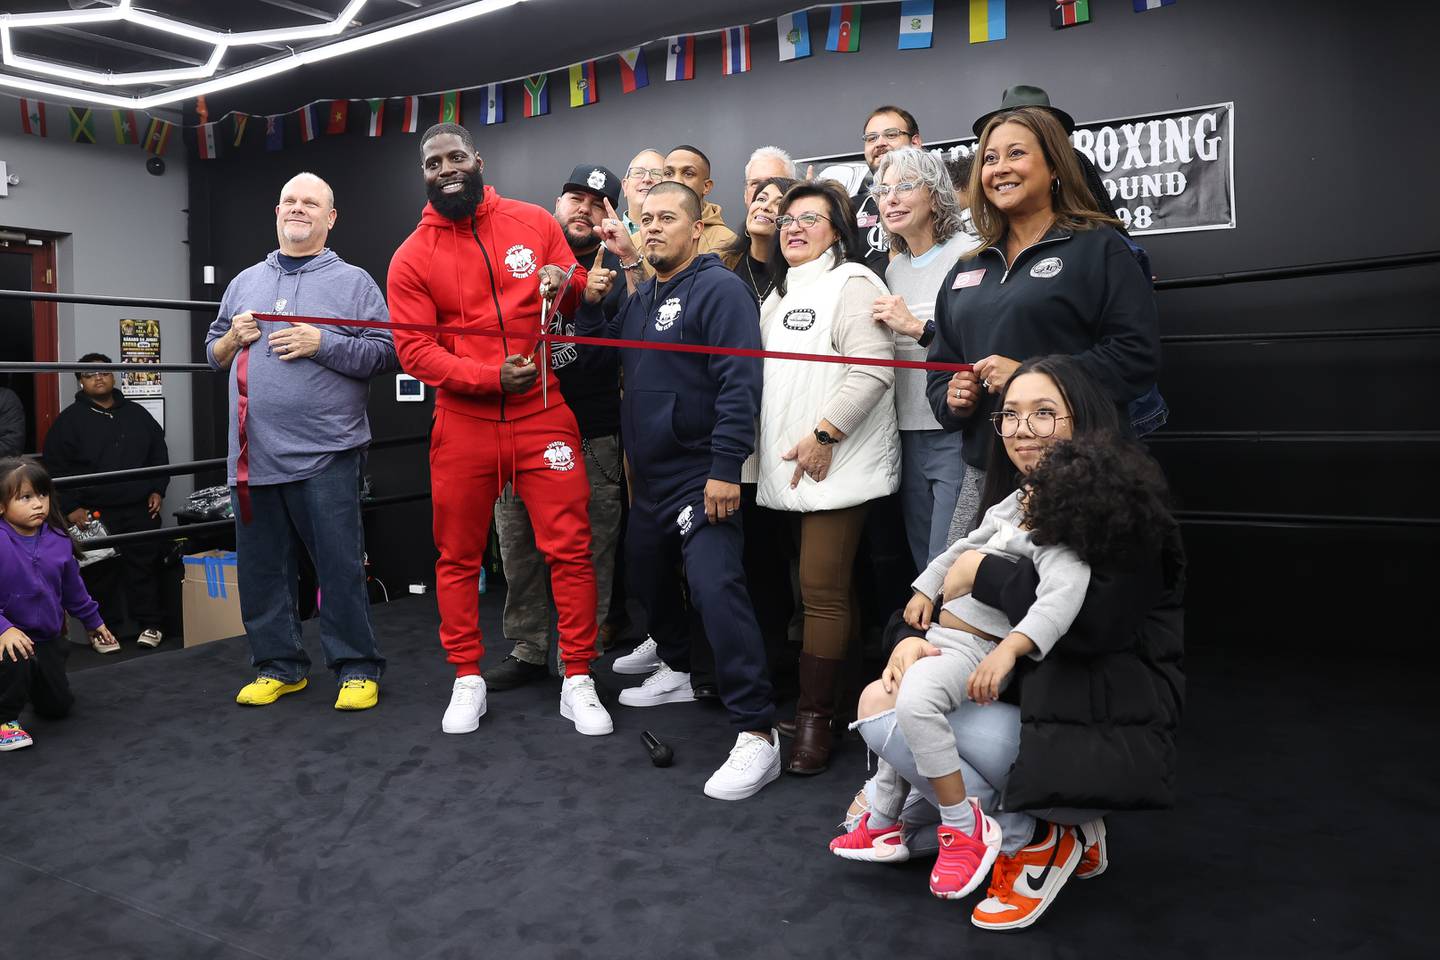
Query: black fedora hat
{"x":1024,"y":95}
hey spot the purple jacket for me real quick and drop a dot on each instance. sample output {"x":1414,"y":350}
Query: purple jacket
{"x":39,"y":581}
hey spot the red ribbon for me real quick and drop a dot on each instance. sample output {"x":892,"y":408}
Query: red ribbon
{"x":465,"y":330}
{"x":242,"y":407}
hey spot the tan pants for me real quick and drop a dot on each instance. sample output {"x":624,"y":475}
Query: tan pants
{"x":828,"y":541}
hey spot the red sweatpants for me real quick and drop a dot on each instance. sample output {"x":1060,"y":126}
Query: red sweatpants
{"x":470,"y":461}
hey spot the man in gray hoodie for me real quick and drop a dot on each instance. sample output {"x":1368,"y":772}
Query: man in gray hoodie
{"x":298,"y":433}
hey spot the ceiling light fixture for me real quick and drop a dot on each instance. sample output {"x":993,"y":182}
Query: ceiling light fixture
{"x":209,"y":83}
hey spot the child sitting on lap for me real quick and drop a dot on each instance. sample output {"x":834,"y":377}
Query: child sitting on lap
{"x":1075,"y":508}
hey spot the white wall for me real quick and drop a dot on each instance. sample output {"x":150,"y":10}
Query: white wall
{"x":123,"y":234}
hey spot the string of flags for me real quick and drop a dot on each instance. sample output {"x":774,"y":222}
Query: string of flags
{"x":986,"y":23}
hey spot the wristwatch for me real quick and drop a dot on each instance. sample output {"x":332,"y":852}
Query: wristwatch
{"x":927,"y":336}
{"x":825,"y":438}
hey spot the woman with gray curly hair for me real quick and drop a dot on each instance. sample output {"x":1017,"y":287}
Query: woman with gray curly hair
{"x":919,"y":211}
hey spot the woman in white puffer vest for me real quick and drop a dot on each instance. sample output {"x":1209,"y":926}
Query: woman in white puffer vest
{"x":828,"y":440}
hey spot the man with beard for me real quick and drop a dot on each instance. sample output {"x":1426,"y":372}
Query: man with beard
{"x":474,"y":263}
{"x":887,"y":128}
{"x":689,"y":422}
{"x":298,"y":433}
{"x":590,"y":379}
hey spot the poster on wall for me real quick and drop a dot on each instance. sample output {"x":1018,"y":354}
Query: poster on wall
{"x":140,"y":343}
{"x":1169,"y":172}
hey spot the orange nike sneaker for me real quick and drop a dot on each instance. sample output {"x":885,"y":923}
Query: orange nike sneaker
{"x":1096,"y":856}
{"x":1023,"y":886}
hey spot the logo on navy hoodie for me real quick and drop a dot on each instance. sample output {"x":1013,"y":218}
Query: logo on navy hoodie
{"x":668,"y":313}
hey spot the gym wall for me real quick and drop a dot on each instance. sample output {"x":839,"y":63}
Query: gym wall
{"x":1332,"y":127}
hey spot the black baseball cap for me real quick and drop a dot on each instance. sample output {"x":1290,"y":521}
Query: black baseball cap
{"x":596,"y":179}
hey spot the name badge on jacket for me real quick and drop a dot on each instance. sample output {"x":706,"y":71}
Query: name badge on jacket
{"x":970,"y":278}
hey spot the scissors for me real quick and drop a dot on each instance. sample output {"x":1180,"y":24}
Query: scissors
{"x":549,"y":306}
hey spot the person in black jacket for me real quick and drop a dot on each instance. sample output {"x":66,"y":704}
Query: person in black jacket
{"x":12,"y":424}
{"x":102,"y":431}
{"x":590,"y":378}
{"x":1052,"y":275}
{"x":1095,"y":725}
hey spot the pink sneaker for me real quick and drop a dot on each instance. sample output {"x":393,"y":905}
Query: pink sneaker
{"x":13,"y":736}
{"x":964,"y":859}
{"x":886,"y":845}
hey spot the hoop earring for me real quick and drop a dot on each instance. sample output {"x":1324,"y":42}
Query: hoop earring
{"x":1055,"y":186}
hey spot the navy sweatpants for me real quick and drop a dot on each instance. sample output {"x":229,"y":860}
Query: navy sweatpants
{"x":662,"y":531}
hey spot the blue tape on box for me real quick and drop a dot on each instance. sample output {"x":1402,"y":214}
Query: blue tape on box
{"x":214,"y":571}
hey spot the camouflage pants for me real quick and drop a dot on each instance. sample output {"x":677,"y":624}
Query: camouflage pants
{"x":527,"y":595}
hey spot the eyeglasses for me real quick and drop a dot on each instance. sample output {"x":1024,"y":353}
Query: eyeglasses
{"x":641,"y":173}
{"x":805,"y":219}
{"x":902,"y":189}
{"x":893,"y":133}
{"x":96,"y":374}
{"x":1041,"y":423}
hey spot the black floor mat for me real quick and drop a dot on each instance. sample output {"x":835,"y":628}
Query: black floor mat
{"x":161,"y":820}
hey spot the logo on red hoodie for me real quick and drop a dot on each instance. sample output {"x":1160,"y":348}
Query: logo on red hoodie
{"x":521,"y":261}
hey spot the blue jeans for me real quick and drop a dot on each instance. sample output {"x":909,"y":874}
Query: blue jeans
{"x":988,"y":740}
{"x":325,"y":511}
{"x":931,"y":471}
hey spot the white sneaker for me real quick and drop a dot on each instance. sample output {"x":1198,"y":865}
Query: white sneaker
{"x":662,"y":686}
{"x":150,"y":638}
{"x":467,"y":705}
{"x":642,"y":659}
{"x":752,"y":764}
{"x":580,"y":704}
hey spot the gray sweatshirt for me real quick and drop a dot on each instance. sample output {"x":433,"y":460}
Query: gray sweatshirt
{"x":303,"y":412}
{"x":1064,"y":578}
{"x":918,"y":281}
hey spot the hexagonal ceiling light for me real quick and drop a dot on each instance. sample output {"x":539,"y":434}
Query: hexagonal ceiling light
{"x":220,"y":42}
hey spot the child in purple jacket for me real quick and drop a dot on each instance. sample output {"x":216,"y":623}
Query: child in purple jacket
{"x":39,"y":581}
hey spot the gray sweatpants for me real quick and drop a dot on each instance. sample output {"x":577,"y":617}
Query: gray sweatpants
{"x":527,"y":595}
{"x":930,"y":691}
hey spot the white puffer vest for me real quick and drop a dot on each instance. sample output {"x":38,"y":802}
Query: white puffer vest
{"x":866,"y":464}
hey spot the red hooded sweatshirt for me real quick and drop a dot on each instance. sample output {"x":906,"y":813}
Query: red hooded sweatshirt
{"x":483,"y":271}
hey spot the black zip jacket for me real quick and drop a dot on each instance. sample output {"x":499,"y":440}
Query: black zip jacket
{"x":1100,"y":714}
{"x":590,"y":375}
{"x":86,"y":438}
{"x":1072,"y":293}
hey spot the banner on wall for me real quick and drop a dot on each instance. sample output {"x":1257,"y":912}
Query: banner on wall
{"x":1169,"y":172}
{"x":140,"y":343}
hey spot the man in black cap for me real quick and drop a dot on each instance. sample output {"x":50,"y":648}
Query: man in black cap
{"x":589,"y":377}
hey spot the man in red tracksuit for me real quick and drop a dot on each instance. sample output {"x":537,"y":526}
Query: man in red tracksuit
{"x":479,"y":260}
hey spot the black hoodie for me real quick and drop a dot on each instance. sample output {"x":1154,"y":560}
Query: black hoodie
{"x":686,"y":416}
{"x":88,"y":438}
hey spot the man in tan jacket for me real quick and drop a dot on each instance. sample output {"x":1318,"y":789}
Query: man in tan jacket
{"x":686,"y":164}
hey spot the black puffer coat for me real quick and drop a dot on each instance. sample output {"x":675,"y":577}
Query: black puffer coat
{"x":1099,"y":715}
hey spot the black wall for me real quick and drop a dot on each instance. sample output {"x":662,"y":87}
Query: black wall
{"x":1334,"y":143}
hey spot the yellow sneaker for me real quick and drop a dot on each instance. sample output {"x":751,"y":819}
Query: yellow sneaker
{"x":266,"y":690}
{"x":357,"y":693}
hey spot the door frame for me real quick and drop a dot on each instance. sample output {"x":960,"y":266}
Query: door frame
{"x":46,"y":328}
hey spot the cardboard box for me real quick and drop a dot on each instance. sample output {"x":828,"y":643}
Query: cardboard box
{"x":211,"y":597}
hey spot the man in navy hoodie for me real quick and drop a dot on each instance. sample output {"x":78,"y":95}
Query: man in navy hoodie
{"x":298,"y":433}
{"x":688,"y":420}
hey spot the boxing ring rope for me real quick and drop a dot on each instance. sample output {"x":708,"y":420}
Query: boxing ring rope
{"x":1195,"y":517}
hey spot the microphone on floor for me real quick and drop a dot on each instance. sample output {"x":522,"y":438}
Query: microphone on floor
{"x":660,"y":754}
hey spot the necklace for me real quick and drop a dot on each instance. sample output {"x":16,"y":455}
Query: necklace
{"x":754,"y":284}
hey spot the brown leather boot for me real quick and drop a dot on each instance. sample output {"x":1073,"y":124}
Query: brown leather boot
{"x":810,"y":753}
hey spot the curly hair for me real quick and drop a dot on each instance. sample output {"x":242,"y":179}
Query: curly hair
{"x":1101,"y":496}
